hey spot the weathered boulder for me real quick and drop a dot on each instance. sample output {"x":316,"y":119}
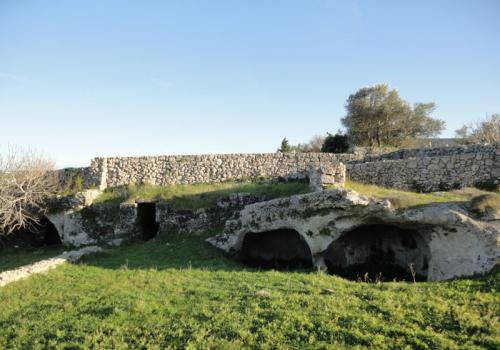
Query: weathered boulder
{"x":326,"y":175}
{"x":439,"y":241}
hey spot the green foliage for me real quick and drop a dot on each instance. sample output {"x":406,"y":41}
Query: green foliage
{"x":378,"y":116}
{"x":199,"y":195}
{"x":182,"y":293}
{"x":337,"y":143}
{"x":285,"y":146}
{"x":72,"y":183}
{"x":488,"y":186}
{"x":78,"y":184}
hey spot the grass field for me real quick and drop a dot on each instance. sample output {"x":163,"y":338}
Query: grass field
{"x":182,"y":293}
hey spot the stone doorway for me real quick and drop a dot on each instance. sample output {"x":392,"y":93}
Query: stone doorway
{"x":146,"y":217}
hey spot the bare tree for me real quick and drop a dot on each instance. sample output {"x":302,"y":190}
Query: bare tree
{"x":316,"y":143}
{"x":27,"y":180}
{"x":483,"y":131}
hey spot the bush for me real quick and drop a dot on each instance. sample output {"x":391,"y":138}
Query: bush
{"x":337,"y":143}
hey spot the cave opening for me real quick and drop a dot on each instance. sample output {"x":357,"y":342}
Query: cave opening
{"x":379,"y":252}
{"x":282,"y":249}
{"x":48,"y":232}
{"x":40,"y":233}
{"x":146,"y":216}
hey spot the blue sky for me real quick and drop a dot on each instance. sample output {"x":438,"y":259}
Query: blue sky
{"x":80,"y":79}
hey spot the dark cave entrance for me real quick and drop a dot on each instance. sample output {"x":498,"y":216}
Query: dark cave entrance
{"x":35,"y":234}
{"x":146,"y":217}
{"x":379,"y":253}
{"x":282,"y":249}
{"x":46,"y":232}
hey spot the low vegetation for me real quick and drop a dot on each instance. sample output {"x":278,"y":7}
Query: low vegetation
{"x":406,"y":199}
{"x":182,"y":293}
{"x":485,"y":202}
{"x":199,"y":195}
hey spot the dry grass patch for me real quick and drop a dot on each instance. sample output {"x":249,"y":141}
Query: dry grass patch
{"x":485,"y":202}
{"x":406,"y":199}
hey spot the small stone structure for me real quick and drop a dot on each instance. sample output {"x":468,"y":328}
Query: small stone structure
{"x":342,"y":228}
{"x":327,"y":175}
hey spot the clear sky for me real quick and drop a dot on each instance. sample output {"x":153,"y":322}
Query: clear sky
{"x":80,"y":79}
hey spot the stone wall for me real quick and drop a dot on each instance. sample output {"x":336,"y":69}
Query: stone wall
{"x":426,"y":169}
{"x":431,"y":169}
{"x":171,"y":170}
{"x":428,"y":152}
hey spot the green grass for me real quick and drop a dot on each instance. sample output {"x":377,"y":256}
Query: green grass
{"x":198,"y":195}
{"x":405,"y":199}
{"x":182,"y":293}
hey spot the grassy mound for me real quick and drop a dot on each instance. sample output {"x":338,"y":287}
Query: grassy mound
{"x":199,"y":195}
{"x":182,"y":293}
{"x":406,"y":199}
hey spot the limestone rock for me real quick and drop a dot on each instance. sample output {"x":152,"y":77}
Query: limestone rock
{"x":445,"y":239}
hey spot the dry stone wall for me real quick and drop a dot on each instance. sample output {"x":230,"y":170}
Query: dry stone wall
{"x":427,"y":169}
{"x":433,"y":169}
{"x":171,"y":170}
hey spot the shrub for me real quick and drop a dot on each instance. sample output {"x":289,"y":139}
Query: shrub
{"x":337,"y":143}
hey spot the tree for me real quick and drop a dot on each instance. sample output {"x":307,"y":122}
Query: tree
{"x":27,"y":180}
{"x":378,"y":116}
{"x":285,"y":146}
{"x":314,"y":145}
{"x":483,"y":131}
{"x":337,"y":143}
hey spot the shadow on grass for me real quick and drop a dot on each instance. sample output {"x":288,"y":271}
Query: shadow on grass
{"x":192,"y":252}
{"x":14,"y":258}
{"x":172,"y":252}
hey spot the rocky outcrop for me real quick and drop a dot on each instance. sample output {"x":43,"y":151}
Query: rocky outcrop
{"x":440,"y":241}
{"x":105,"y":223}
{"x":203,"y":220}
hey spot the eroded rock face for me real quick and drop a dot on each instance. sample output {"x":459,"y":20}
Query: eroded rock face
{"x":441,"y":241}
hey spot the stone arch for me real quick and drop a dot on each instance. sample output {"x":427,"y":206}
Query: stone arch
{"x":44,"y":231}
{"x":281,"y":248}
{"x":379,"y":250}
